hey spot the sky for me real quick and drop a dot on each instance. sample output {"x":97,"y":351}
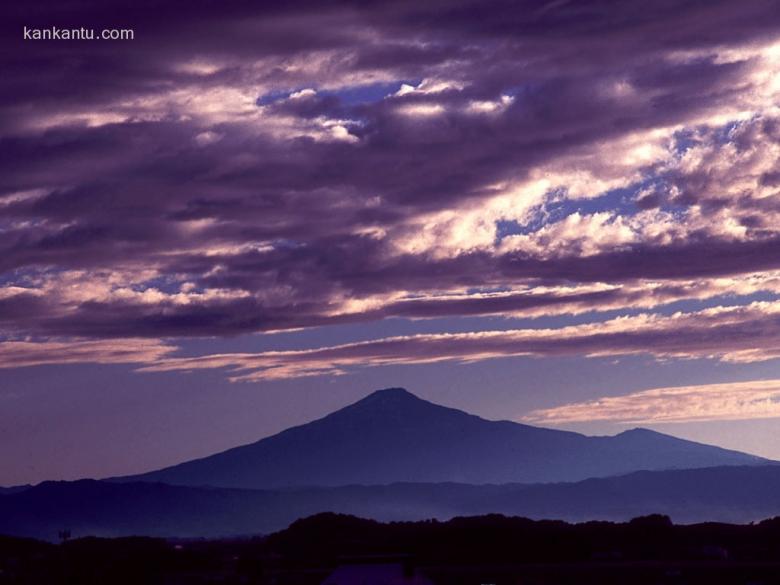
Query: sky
{"x":250,"y":214}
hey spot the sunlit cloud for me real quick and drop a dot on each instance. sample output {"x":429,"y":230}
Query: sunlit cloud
{"x":274,"y":179}
{"x":708,"y":402}
{"x":22,"y":354}
{"x":733,"y":334}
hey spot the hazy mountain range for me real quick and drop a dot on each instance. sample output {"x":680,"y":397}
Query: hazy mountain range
{"x":726,"y":494}
{"x":393,"y":456}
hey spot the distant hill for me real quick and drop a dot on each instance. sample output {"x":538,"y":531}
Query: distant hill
{"x":14,"y":489}
{"x":727,"y":494}
{"x":392,"y":436}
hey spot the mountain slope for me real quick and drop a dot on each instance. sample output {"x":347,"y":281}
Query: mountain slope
{"x":393,"y":436}
{"x":88,"y":507}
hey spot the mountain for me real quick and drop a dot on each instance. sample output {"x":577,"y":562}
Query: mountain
{"x":89,"y":507}
{"x":393,"y":436}
{"x":13,"y":489}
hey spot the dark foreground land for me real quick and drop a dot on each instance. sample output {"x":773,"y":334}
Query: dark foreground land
{"x":341,"y":550}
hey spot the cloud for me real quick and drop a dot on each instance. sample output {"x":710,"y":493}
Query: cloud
{"x":278,"y":167}
{"x":20,"y":354}
{"x":736,"y":334}
{"x":708,"y":402}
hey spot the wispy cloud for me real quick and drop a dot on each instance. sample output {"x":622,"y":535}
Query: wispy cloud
{"x":19,"y":354}
{"x":738,"y":334}
{"x":708,"y":402}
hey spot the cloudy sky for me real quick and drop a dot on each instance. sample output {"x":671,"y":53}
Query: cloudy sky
{"x":563,"y":213}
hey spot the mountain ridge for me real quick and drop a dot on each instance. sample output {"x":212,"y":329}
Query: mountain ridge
{"x":392,"y":435}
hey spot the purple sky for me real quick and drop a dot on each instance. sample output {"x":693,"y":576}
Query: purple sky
{"x":562,"y":213}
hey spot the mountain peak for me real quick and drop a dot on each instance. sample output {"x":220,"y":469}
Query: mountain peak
{"x":392,"y":394}
{"x":389,"y":400}
{"x":399,"y":414}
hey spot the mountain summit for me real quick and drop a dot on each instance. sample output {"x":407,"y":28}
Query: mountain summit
{"x":394,"y":436}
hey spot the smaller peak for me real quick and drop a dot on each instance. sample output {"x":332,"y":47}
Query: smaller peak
{"x":639,"y":432}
